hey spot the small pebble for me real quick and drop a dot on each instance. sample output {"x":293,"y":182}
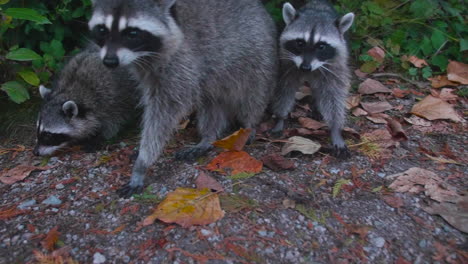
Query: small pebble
{"x":98,"y":258}
{"x":52,"y":200}
{"x":206,"y":232}
{"x":26,"y":204}
{"x":59,"y":186}
{"x":423,"y":243}
{"x":263,"y":233}
{"x":381,"y":175}
{"x":378,"y":242}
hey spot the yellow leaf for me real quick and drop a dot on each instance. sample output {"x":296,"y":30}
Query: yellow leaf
{"x":188,"y":207}
{"x":235,"y":141}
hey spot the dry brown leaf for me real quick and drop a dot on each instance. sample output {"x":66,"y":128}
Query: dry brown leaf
{"x":19,"y":173}
{"x":418,"y":121}
{"x":378,"y":118}
{"x":360,"y":74}
{"x":236,"y":161}
{"x":235,"y":141}
{"x":376,"y":107}
{"x":359,"y":112}
{"x":353,"y":101}
{"x":9,"y":213}
{"x":371,"y":86}
{"x":443,"y":160}
{"x":310,"y":123}
{"x":52,"y":237}
{"x":393,"y":201}
{"x":277,"y":162}
{"x":288,"y":203}
{"x":396,"y":130}
{"x":454,"y":214}
{"x":446,"y":94}
{"x":206,"y":181}
{"x":381,"y":137}
{"x":417,"y":62}
{"x":377,"y":53}
{"x":303,"y":92}
{"x":457,"y":72}
{"x":399,"y":93}
{"x":188,"y":207}
{"x":441,"y":81}
{"x":303,"y":145}
{"x":435,"y":108}
{"x":416,"y":180}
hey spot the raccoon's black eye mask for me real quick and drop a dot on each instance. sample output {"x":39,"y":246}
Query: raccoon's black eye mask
{"x":322,"y":50}
{"x":52,"y":139}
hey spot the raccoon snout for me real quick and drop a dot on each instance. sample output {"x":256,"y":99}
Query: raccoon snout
{"x":306,"y":67}
{"x":111,"y":61}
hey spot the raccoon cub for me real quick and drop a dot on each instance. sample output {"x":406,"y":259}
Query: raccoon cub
{"x":216,"y":57}
{"x":313,"y":49}
{"x":87,"y":104}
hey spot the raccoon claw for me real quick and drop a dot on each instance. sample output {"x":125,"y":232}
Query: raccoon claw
{"x":190,"y":154}
{"x":341,"y":153}
{"x":127,"y":190}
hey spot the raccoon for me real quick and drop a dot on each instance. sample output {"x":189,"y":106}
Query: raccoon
{"x":216,"y":57}
{"x":314,"y":49}
{"x":87,"y":104}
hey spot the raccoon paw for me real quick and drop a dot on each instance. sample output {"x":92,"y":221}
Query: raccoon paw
{"x":342,"y":153}
{"x":127,"y":190}
{"x":275,"y":133}
{"x":190,"y":154}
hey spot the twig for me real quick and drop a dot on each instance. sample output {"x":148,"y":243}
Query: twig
{"x":395,"y":75}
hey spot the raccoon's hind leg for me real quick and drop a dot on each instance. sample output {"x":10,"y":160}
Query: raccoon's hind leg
{"x":212,"y":120}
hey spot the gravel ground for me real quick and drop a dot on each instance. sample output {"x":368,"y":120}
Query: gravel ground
{"x":275,"y":217}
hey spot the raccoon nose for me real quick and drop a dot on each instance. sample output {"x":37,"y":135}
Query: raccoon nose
{"x":111,"y":61}
{"x":306,"y":67}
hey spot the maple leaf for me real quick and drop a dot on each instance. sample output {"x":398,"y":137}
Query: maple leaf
{"x":19,"y":173}
{"x":235,"y":141}
{"x":188,"y":207}
{"x":237,"y":161}
{"x":52,"y":237}
{"x":433,"y":108}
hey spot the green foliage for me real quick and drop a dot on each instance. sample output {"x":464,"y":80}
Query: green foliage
{"x":34,"y":38}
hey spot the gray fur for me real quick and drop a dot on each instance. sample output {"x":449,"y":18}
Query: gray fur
{"x":218,"y":58}
{"x":87,"y":103}
{"x":330,"y":82}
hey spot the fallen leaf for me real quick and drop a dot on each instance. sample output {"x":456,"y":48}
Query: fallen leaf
{"x":359,"y":230}
{"x":377,"y":53}
{"x":236,"y":203}
{"x":371,"y":86}
{"x":378,"y":118}
{"x":205,"y":181}
{"x":376,"y":107}
{"x":303,"y":145}
{"x":359,"y":112}
{"x":303,"y":92}
{"x":235,"y":141}
{"x":188,"y":207}
{"x":288,"y":203}
{"x":417,"y":62}
{"x":457,"y":72}
{"x":393,"y":201}
{"x":277,"y":162}
{"x":52,"y":237}
{"x":9,"y":213}
{"x":445,"y":94}
{"x":19,"y":173}
{"x":237,"y":161}
{"x":353,"y":101}
{"x":376,"y":144}
{"x":360,"y":74}
{"x":454,"y":214}
{"x":416,"y":180}
{"x":399,"y":93}
{"x":118,"y":229}
{"x":433,"y":108}
{"x":396,"y":130}
{"x":310,"y":123}
{"x":417,"y":121}
{"x":443,"y":160}
{"x":441,"y":81}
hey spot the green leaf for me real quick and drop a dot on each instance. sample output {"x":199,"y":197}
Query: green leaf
{"x":427,"y":72}
{"x":16,"y":91}
{"x":438,"y":39}
{"x":23,"y":55}
{"x":2,"y":2}
{"x":338,"y":185}
{"x":422,"y":8}
{"x":27,"y":14}
{"x":413,"y":71}
{"x":464,"y":44}
{"x":57,"y":49}
{"x":426,"y":46}
{"x":30,"y":77}
{"x":440,"y":61}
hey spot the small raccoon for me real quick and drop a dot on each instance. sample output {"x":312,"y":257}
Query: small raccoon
{"x":313,"y":49}
{"x":216,"y":57}
{"x":87,"y":104}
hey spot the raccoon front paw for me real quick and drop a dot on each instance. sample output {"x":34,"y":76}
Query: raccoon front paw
{"x":128,"y":190}
{"x":191,"y":154}
{"x":341,"y":153}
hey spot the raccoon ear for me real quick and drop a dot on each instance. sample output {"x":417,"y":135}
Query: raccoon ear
{"x":289,"y":13}
{"x":345,"y":22}
{"x":44,"y":92}
{"x":70,"y":109}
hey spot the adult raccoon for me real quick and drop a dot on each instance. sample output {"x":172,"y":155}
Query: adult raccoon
{"x":216,"y":57}
{"x":313,"y":49}
{"x":87,"y":104}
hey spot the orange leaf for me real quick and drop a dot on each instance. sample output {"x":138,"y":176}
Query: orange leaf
{"x":235,"y":141}
{"x":377,"y":53}
{"x":441,"y":81}
{"x":51,"y":238}
{"x":188,"y":207}
{"x":458,"y":72}
{"x":19,"y":173}
{"x":119,"y":229}
{"x":237,"y":161}
{"x":9,"y":213}
{"x":417,"y":62}
{"x":435,"y":108}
